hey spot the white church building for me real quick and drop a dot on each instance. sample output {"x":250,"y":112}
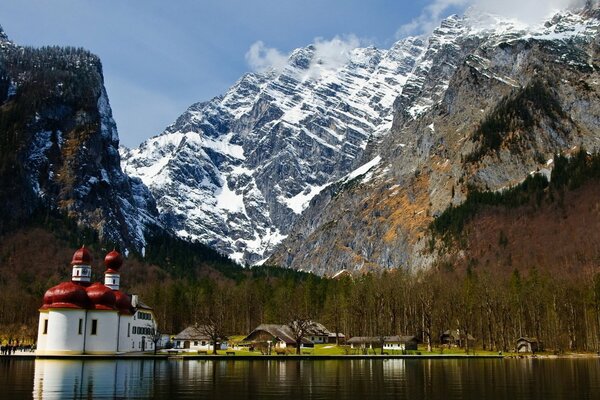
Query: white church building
{"x":80,"y":317}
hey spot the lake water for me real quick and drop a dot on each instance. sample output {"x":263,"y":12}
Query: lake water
{"x":301,"y":379}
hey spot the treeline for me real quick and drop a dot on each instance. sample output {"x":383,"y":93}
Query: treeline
{"x":561,"y":310}
{"x":568,"y":173}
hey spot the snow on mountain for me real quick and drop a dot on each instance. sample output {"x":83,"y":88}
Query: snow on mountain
{"x":237,"y":171}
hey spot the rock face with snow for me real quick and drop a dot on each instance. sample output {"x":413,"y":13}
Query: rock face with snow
{"x":489,"y":103}
{"x":236,"y":171}
{"x":59,"y":147}
{"x":343,"y":165}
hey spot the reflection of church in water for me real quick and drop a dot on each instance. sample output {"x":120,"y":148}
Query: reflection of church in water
{"x":80,"y":317}
{"x":91,"y":379}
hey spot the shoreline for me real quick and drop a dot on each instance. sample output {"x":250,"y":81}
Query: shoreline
{"x":183,"y":357}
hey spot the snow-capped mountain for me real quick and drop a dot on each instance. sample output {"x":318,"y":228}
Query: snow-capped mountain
{"x":235,"y":172}
{"x":238,"y":172}
{"x":490,"y":103}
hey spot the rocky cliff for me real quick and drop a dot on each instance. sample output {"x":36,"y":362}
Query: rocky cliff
{"x":490,"y":103}
{"x":345,"y":165}
{"x":59,"y":146}
{"x":237,"y":171}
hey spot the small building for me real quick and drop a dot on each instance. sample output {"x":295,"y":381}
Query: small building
{"x":456,"y":338}
{"x":278,"y":336}
{"x":364,"y":342}
{"x":400,"y":343}
{"x":318,"y":334}
{"x":334,"y":338}
{"x":194,"y":338}
{"x":528,"y":345}
{"x":388,"y":342}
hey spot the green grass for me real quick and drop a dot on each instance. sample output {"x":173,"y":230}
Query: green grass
{"x":333,"y":350}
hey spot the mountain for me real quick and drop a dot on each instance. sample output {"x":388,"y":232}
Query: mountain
{"x":490,"y":103}
{"x":323,"y":165}
{"x":236,"y":172}
{"x":59,"y":146}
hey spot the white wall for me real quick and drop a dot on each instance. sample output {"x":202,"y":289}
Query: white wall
{"x":41,"y":337}
{"x":105,"y":339}
{"x":63,"y":336}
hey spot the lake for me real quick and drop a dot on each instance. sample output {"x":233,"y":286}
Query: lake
{"x":302,"y":379}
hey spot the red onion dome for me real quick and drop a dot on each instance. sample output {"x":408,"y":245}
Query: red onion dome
{"x":123,"y":302}
{"x":113,"y":261}
{"x":82,"y":257}
{"x":66,"y":295}
{"x":101,"y":297}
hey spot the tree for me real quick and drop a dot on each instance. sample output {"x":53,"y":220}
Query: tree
{"x":300,"y":327}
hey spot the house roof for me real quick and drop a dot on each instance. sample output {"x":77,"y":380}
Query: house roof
{"x":193,"y":332}
{"x":527,"y":339}
{"x":280,"y":332}
{"x":377,"y":339}
{"x":455,"y":335}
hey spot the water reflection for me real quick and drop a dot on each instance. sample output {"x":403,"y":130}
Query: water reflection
{"x":301,"y":379}
{"x":59,"y":379}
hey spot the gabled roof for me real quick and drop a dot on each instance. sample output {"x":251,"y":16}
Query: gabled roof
{"x":455,"y":335}
{"x":377,"y":339}
{"x":527,"y":339}
{"x":193,"y":332}
{"x":279,"y":332}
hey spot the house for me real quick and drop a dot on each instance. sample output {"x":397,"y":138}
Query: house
{"x":318,"y":334}
{"x":389,"y":342}
{"x":400,"y":343}
{"x":528,"y":345}
{"x":81,"y":317}
{"x":194,"y":338}
{"x":364,"y":342}
{"x":455,"y":338}
{"x":334,"y":338}
{"x":278,"y":336}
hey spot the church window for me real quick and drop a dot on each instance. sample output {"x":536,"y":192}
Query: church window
{"x":45,"y":331}
{"x":94,"y":326}
{"x":80,"y":327}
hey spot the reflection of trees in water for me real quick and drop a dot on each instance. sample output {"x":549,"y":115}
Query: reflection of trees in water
{"x":293,"y":379}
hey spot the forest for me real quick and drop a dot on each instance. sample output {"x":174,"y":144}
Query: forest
{"x":189,"y":283}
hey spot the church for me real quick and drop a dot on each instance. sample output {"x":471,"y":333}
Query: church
{"x":81,"y":317}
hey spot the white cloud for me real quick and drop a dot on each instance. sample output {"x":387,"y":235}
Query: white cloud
{"x":334,"y":53}
{"x":261,"y":58}
{"x":527,"y":11}
{"x":328,"y":55}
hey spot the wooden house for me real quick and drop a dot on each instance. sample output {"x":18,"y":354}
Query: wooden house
{"x":278,"y":336}
{"x":388,"y":342}
{"x":456,"y":338}
{"x":528,"y":345}
{"x":193,"y":338}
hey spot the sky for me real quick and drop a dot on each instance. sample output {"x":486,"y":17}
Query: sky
{"x":159,"y":57}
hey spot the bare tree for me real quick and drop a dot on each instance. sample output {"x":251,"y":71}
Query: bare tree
{"x":301,"y":327}
{"x":214,"y":330}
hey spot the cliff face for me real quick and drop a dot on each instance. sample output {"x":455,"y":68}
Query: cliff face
{"x":237,"y":171}
{"x":59,"y":145}
{"x":492,"y":103}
